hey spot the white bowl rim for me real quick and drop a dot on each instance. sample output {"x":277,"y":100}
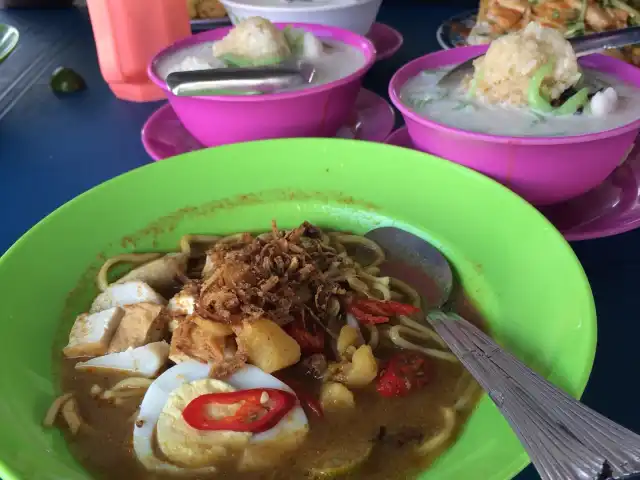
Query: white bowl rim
{"x":285,"y":8}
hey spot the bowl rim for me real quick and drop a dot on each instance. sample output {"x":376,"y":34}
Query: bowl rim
{"x":363,"y":44}
{"x":518,"y":463}
{"x":305,"y":9}
{"x":596,"y":62}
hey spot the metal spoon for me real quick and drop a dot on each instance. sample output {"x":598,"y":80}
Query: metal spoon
{"x":584,"y":45}
{"x":240,"y":80}
{"x":564,"y":439}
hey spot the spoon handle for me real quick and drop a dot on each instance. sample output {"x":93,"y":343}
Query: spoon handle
{"x":564,"y":439}
{"x":596,"y":42}
{"x":239,"y":80}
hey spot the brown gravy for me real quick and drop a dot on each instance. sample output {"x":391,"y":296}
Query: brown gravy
{"x":105,"y":448}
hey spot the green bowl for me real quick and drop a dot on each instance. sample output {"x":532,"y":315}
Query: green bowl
{"x":515,"y":266}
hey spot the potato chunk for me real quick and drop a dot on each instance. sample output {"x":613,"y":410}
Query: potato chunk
{"x":267,"y":345}
{"x":335,"y":397}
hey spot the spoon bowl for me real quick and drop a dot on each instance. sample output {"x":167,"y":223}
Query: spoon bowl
{"x":9,"y":37}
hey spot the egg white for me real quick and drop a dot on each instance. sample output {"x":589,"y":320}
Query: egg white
{"x":263,"y":447}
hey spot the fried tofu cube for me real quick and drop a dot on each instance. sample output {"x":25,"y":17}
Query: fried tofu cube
{"x":268,"y":346}
{"x":142,"y":323}
{"x":91,"y":334}
{"x":128,"y":293}
{"x":145,"y":361}
{"x":198,"y":339}
{"x":209,"y":268}
{"x":183,"y":303}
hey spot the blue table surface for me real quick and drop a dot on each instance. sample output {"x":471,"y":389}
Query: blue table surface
{"x":52,"y":149}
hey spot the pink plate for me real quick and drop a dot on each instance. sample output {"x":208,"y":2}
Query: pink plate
{"x":387,"y":40}
{"x":609,"y":209}
{"x":164,"y":136}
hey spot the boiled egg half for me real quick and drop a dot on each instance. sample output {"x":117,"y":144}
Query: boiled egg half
{"x":163,"y":442}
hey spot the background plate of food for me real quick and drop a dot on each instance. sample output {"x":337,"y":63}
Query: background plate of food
{"x":573,"y":17}
{"x":206,"y":13}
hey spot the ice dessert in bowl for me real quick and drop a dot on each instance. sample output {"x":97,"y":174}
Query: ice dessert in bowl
{"x":531,"y":115}
{"x":318,"y":109}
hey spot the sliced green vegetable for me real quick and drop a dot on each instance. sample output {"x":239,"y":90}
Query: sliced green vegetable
{"x":239,"y":61}
{"x":462,"y":106}
{"x":534,"y":95}
{"x":473,"y":85}
{"x":571,"y":106}
{"x":339,"y":461}
{"x":66,"y":80}
{"x":295,"y":39}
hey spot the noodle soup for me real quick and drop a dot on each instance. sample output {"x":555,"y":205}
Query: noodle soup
{"x":245,"y":357}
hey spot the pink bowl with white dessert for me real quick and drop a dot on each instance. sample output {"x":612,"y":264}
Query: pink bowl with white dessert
{"x":531,"y":115}
{"x":341,"y":58}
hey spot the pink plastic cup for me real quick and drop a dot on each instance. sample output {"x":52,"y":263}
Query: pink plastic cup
{"x":543,"y":170}
{"x":317,"y":111}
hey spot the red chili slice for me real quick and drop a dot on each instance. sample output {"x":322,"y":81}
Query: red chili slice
{"x":371,"y":311}
{"x":398,"y":308}
{"x":307,"y":400}
{"x":310,"y":337}
{"x":364,"y":317}
{"x":253,"y":415}
{"x":405,"y":372}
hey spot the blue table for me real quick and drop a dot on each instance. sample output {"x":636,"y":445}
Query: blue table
{"x":52,"y":149}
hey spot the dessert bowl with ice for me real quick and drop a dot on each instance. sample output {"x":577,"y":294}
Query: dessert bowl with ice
{"x":317,"y":109}
{"x":258,"y":42}
{"x":530,"y":115}
{"x":529,"y":83}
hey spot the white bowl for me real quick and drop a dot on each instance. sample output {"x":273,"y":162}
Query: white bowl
{"x":355,"y":15}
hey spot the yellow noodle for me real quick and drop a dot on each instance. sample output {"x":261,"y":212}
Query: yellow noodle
{"x":334,"y":307}
{"x":373,"y":271}
{"x":102,"y":279}
{"x":374,"y":336}
{"x":421,"y":327}
{"x":443,"y":435}
{"x":134,"y":382}
{"x":129,"y":392}
{"x":358,"y":285}
{"x":187,"y":240}
{"x":372,"y":278}
{"x":467,"y":395}
{"x":71,"y":415}
{"x":407,"y":291}
{"x":325,"y":239}
{"x":395,"y":334}
{"x":266,"y":236}
{"x":235,"y":238}
{"x":384,"y":291}
{"x":54,"y":409}
{"x":340,"y":248}
{"x":343,"y":238}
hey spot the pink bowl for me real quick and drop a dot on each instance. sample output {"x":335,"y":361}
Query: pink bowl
{"x":543,"y":170}
{"x":313,"y":112}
